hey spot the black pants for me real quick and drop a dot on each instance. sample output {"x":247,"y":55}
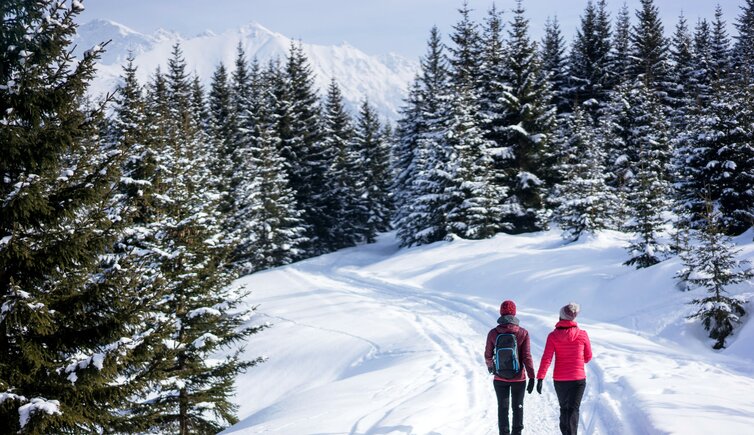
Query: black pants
{"x":569,"y":397}
{"x":510,"y":393}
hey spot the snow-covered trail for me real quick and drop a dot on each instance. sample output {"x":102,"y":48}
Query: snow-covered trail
{"x":356,"y":348}
{"x":403,"y":360}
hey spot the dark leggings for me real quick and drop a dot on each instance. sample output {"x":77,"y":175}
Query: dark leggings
{"x":569,"y":397}
{"x":510,"y":393}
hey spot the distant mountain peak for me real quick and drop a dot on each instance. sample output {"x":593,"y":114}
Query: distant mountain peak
{"x":100,"y":24}
{"x":383,"y":80}
{"x":166,"y":35}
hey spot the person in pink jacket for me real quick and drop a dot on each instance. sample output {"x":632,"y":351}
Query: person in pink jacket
{"x":572,"y":349}
{"x":510,"y":392}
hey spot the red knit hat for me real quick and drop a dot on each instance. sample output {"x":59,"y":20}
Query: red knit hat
{"x":508,"y":308}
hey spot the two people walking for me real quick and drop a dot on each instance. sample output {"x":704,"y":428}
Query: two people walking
{"x":567,"y":344}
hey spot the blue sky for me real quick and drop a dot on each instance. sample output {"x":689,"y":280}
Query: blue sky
{"x":374,"y":26}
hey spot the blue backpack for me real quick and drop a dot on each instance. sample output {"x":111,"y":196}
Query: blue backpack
{"x":506,"y":356}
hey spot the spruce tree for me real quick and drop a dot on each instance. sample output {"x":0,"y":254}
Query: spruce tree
{"x":585,"y":201}
{"x":590,"y":58}
{"x":744,"y":46}
{"x":222,"y":123}
{"x":345,"y":179}
{"x":199,"y":106}
{"x":273,"y":234}
{"x":474,"y":209}
{"x":426,"y":222}
{"x":620,"y":56}
{"x":711,"y":264}
{"x":732,"y":122}
{"x":554,"y":64}
{"x":374,"y":154}
{"x":701,"y":80}
{"x":720,"y":49}
{"x":649,"y":51}
{"x":304,"y":149}
{"x":234,"y":140}
{"x":200,"y":310}
{"x":681,"y":95}
{"x":493,"y":110}
{"x":241,"y":89}
{"x":649,"y":188}
{"x":404,"y":151}
{"x":614,"y":127}
{"x":141,"y":188}
{"x":251,"y":121}
{"x":695,"y":155}
{"x":129,"y":129}
{"x":464,"y":54}
{"x":72,"y":331}
{"x":529,"y":123}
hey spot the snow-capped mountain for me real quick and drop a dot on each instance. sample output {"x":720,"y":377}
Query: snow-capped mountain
{"x":382,"y":79}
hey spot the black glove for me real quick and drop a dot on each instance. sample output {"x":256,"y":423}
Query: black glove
{"x":491,"y":370}
{"x":530,"y":386}
{"x":539,"y":386}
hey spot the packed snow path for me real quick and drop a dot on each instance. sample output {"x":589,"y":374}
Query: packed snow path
{"x":356,"y":348}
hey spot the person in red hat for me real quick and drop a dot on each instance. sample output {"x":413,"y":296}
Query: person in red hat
{"x":572,"y":349}
{"x":509,"y":384}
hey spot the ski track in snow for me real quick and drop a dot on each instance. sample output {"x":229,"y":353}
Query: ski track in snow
{"x":458,"y":356}
{"x":600,"y":411}
{"x":406,"y":358}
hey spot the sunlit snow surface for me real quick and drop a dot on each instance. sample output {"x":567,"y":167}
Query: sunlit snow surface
{"x":382,"y":340}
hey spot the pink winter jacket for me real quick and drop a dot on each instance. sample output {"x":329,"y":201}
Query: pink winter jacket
{"x":572,"y":350}
{"x":524,"y":353}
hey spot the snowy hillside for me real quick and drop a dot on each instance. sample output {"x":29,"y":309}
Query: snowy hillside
{"x":382,"y":79}
{"x":381,"y":340}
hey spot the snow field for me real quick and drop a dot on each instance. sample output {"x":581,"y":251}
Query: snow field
{"x":377,"y":340}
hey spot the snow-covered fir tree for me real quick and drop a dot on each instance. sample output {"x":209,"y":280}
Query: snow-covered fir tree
{"x":304,"y":149}
{"x":680,"y":93}
{"x":528,"y":124}
{"x":585,"y":201}
{"x":474,"y":208}
{"x":425,"y":223}
{"x":620,"y":59}
{"x":464,"y":55}
{"x":274,"y":230}
{"x":744,"y":46}
{"x":345,"y":183}
{"x":243,"y":194}
{"x":554,"y":64}
{"x":649,"y":51}
{"x":701,"y":78}
{"x":404,"y":151}
{"x":222,"y":122}
{"x":720,"y":48}
{"x":142,"y":184}
{"x":614,"y":127}
{"x":373,"y":157}
{"x":733,"y":133}
{"x":72,"y":333}
{"x":590,"y":58}
{"x":492,"y":108}
{"x":201,"y":312}
{"x":710,"y":263}
{"x":649,"y":188}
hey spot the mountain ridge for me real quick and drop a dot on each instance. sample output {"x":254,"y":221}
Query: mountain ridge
{"x":383,"y":80}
